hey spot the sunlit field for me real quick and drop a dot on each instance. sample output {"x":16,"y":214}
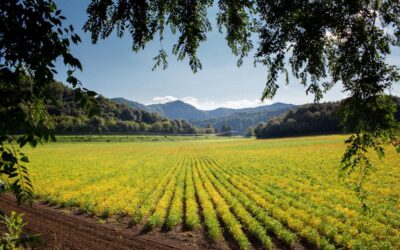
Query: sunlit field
{"x":256,"y":192}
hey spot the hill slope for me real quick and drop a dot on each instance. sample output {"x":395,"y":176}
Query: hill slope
{"x":132,"y":104}
{"x":308,"y":119}
{"x":240,"y":121}
{"x":182,"y":110}
{"x":178,"y":110}
{"x":69,"y":118}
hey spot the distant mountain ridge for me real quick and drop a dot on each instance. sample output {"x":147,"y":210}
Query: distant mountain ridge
{"x":238,"y":119}
{"x":132,"y":104}
{"x":70,"y":118}
{"x":181,"y":110}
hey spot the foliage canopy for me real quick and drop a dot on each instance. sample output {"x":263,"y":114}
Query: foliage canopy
{"x":32,"y":38}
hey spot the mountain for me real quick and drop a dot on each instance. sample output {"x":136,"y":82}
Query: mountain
{"x":132,"y":104}
{"x":70,"y":118}
{"x":240,"y":121}
{"x":237,"y":119}
{"x":182,"y":110}
{"x":219,"y":112}
{"x":178,"y":110}
{"x":274,"y":106}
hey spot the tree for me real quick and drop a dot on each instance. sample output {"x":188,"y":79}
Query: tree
{"x":226,"y":130}
{"x":324,"y":43}
{"x":209,"y":129}
{"x":127,"y":114}
{"x":250,"y":132}
{"x":32,"y":37}
{"x":97,"y":123}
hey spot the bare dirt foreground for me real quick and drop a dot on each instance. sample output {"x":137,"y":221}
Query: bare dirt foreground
{"x":63,"y":229}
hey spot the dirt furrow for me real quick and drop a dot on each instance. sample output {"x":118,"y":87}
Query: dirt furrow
{"x":68,"y":231}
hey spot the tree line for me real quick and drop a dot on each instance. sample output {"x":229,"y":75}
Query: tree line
{"x":309,"y":119}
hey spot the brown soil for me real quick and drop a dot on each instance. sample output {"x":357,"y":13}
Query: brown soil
{"x":65,"y":229}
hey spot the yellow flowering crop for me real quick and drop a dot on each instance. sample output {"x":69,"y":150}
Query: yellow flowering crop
{"x":253,"y":191}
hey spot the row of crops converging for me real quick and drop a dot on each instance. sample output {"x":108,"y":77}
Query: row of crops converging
{"x":249,"y":200}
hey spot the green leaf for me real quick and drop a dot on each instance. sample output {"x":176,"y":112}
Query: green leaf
{"x":2,"y":187}
{"x":24,"y":159}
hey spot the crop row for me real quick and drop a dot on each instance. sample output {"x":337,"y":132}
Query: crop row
{"x":249,"y":192}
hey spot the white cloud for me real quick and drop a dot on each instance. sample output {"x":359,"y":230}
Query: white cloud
{"x":243,"y":103}
{"x":191,"y":100}
{"x":164,"y":99}
{"x":208,"y":105}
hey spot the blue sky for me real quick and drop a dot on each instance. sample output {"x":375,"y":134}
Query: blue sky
{"x":113,"y":70}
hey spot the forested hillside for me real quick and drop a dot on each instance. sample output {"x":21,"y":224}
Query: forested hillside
{"x":315,"y":118}
{"x":132,"y":104}
{"x":69,"y":117}
{"x":181,"y":110}
{"x":240,"y":121}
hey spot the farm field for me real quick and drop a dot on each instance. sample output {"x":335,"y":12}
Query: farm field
{"x":252,"y":193}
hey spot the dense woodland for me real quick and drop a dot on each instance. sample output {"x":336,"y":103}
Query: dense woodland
{"x":315,"y":118}
{"x":70,"y":118}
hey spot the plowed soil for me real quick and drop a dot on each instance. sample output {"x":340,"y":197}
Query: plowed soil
{"x":65,"y":229}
